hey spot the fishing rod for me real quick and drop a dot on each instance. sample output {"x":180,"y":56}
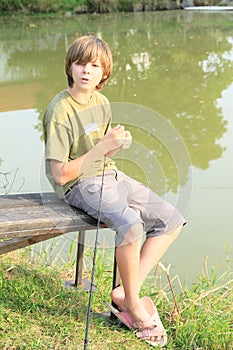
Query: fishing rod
{"x":94,"y":261}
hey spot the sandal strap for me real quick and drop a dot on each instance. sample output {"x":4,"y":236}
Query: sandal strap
{"x":149,"y":324}
{"x":149,"y":333}
{"x":145,"y":333}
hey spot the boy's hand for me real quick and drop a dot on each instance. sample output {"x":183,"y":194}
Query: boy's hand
{"x":127,"y":140}
{"x":117,"y":138}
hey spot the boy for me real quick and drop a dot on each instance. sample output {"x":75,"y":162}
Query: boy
{"x":79,"y":144}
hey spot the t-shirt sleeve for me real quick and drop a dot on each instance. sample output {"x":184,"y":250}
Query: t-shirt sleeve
{"x":58,"y":139}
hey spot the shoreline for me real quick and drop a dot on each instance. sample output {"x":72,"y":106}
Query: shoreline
{"x":67,"y":7}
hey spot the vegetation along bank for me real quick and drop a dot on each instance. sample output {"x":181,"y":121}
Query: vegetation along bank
{"x":97,"y":6}
{"x":38,"y":312}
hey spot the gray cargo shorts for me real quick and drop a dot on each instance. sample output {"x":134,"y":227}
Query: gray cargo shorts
{"x":125,"y":202}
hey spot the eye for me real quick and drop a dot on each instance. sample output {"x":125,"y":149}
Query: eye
{"x":96,"y":64}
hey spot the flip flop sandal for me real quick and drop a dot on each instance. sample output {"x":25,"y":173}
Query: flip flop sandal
{"x":144,"y":330}
{"x":123,"y":316}
{"x":153,"y":327}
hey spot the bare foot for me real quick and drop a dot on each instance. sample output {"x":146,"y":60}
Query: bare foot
{"x":137,"y":311}
{"x":143,"y":314}
{"x":118,"y":297}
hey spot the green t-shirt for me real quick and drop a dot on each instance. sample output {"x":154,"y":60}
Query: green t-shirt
{"x":71,"y":129}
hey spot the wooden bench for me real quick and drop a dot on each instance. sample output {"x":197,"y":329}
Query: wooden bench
{"x":26,"y":219}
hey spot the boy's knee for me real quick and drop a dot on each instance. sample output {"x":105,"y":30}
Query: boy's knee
{"x":134,"y":234}
{"x":175,"y":233}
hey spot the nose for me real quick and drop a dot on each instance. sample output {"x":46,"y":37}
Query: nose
{"x":87,"y":67}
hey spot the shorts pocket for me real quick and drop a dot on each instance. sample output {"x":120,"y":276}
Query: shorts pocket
{"x":93,"y":188}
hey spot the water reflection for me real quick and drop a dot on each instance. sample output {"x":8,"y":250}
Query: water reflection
{"x":174,"y":63}
{"x":177,"y":65}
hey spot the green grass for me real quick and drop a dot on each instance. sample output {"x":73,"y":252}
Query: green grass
{"x":38,"y":312}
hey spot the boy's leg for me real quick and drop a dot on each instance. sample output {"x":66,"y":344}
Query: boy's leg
{"x":151,"y":252}
{"x":162,"y":222}
{"x":128,"y":262}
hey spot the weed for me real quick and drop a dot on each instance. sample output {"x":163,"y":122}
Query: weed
{"x":38,"y":312}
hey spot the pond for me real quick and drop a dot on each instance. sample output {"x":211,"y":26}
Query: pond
{"x":172,"y":85}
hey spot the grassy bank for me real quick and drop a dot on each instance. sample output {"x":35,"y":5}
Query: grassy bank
{"x":51,"y":6}
{"x":38,"y":312}
{"x":87,"y":6}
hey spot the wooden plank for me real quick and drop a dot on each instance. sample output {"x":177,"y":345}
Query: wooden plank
{"x":33,"y":219}
{"x":27,"y":214}
{"x":35,"y":228}
{"x":28,"y":199}
{"x":43,"y":232}
{"x":22,"y":242}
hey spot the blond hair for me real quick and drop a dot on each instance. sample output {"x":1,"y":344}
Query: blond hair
{"x":86,"y":49}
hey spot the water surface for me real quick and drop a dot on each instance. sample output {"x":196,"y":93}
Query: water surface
{"x":172,"y":84}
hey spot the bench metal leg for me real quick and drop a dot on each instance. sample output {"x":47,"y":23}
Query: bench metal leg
{"x":115,"y":282}
{"x":79,"y":282}
{"x":116,"y":275}
{"x":80,"y":256}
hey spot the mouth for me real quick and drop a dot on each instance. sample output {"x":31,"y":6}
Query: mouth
{"x":84,"y":80}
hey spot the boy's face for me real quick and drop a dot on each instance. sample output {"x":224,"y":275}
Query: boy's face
{"x":87,"y":76}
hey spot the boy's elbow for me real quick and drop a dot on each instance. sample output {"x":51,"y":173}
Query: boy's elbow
{"x":61,"y":173}
{"x":60,"y":180}
{"x":58,"y":174}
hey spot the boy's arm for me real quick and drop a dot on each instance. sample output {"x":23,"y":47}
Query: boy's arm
{"x":114,"y":140}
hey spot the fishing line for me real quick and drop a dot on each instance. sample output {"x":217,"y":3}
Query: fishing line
{"x":94,"y":261}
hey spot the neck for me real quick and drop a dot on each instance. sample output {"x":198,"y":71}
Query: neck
{"x":81,"y":96}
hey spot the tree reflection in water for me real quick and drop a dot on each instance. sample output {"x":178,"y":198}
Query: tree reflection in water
{"x":173,"y":64}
